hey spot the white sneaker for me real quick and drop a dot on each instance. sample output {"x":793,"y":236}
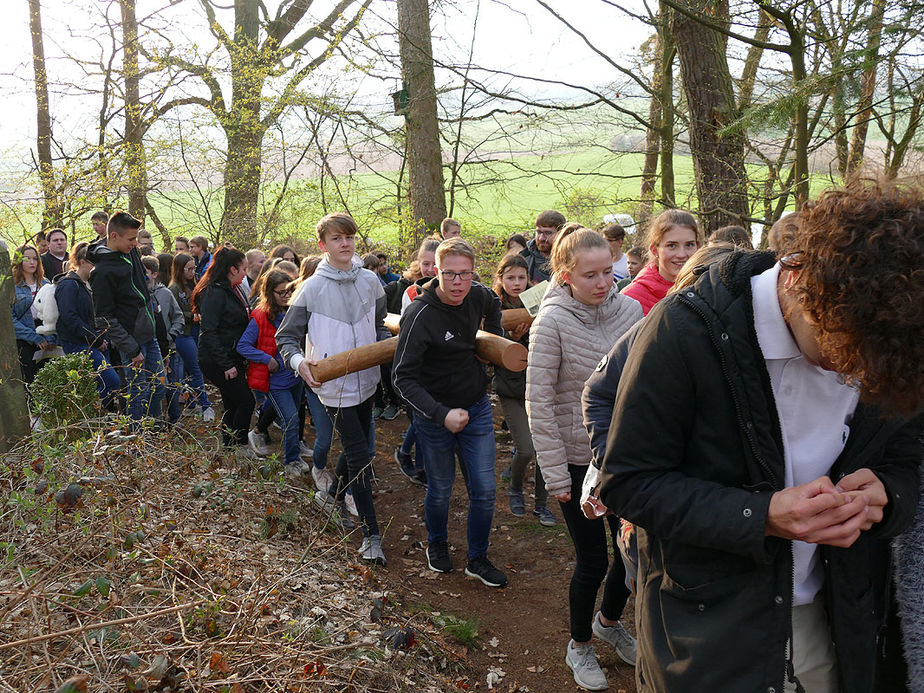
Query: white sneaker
{"x":258,"y":443}
{"x":371,"y":550}
{"x":208,"y":415}
{"x":307,"y":451}
{"x":587,"y":672}
{"x":350,"y":504}
{"x":322,"y":479}
{"x":617,"y":636}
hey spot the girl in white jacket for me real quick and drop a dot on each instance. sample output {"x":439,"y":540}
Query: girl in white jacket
{"x":580,"y":318}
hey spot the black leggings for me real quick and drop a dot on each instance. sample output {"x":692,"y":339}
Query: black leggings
{"x":353,"y":425}
{"x":237,"y":401}
{"x":592,"y":550}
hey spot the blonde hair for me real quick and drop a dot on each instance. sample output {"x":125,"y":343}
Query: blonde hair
{"x":666,"y":220}
{"x":570,"y":240}
{"x":78,"y":253}
{"x":455,"y":246}
{"x":702,"y":258}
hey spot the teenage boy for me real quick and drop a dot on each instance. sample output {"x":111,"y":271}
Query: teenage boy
{"x":98,"y":221}
{"x":55,"y":258}
{"x":125,"y":313}
{"x":437,"y":372}
{"x":450,"y":228}
{"x":199,"y":249}
{"x":548,"y":223}
{"x":341,"y":307}
{"x":780,"y":454}
{"x":180,"y":245}
{"x":145,"y":242}
{"x":615,"y":235}
{"x":386,"y":276}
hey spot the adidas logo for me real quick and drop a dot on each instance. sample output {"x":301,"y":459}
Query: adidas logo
{"x":448,"y":336}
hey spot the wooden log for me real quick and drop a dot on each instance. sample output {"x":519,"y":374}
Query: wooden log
{"x":512,"y":317}
{"x":358,"y":359}
{"x":492,"y":348}
{"x":509,"y":318}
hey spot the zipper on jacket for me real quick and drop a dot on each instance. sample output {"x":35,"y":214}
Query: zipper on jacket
{"x":738,"y":409}
{"x":140,"y":295}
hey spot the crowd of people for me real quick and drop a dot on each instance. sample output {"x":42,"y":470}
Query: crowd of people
{"x":744,"y":425}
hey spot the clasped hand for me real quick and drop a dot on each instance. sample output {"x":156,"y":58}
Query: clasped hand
{"x":820,"y":512}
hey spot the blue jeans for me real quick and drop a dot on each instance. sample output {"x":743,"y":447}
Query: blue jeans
{"x":147,"y":384}
{"x":286,"y":403}
{"x":188,"y":351}
{"x":175,"y":385}
{"x":476,"y":442}
{"x":107,"y":380}
{"x":410,"y":437}
{"x":323,"y":428}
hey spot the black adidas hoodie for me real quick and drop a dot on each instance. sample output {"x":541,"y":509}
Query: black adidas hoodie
{"x":123,"y":304}
{"x":435,"y":368}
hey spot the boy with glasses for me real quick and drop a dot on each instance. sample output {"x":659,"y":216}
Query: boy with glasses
{"x":537,"y":250}
{"x":437,"y":372}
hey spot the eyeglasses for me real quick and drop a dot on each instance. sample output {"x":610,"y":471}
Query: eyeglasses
{"x":465,"y":275}
{"x":546,"y":233}
{"x":284,"y":292}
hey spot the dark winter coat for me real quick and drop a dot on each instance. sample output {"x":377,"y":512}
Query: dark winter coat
{"x":123,"y":304}
{"x":509,"y":383}
{"x":538,"y":269}
{"x":76,"y":317}
{"x":223,"y":318}
{"x":692,"y":458}
{"x":393,"y":293}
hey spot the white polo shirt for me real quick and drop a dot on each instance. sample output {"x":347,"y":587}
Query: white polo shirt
{"x":814,"y":408}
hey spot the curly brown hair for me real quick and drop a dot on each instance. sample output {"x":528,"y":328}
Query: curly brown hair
{"x":860,"y":253}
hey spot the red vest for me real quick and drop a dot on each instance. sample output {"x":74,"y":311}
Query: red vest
{"x":258,"y":375}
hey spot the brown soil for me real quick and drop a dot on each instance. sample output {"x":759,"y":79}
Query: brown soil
{"x":523,"y":628}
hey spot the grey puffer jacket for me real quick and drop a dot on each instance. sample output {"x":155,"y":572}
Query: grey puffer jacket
{"x":566,"y":342}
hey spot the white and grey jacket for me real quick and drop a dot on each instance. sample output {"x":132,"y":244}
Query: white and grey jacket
{"x":336,"y":310}
{"x":566,"y":342}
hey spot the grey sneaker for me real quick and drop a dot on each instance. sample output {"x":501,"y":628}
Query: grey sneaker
{"x":391,"y":412}
{"x":546,"y":518}
{"x":305,"y":451}
{"x":334,"y":511}
{"x":371,"y":550}
{"x":587,"y":672}
{"x":517,"y":503}
{"x":258,"y":443}
{"x":322,"y":478}
{"x":617,"y":636}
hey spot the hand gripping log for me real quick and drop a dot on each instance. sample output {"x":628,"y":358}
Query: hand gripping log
{"x":490,"y":347}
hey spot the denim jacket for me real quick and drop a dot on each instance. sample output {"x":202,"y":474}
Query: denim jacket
{"x":23,"y":323}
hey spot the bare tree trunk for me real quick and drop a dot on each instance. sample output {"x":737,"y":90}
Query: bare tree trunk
{"x":865,"y":106}
{"x":425,"y":162}
{"x":134,"y":128}
{"x":669,"y":51}
{"x":652,"y":135}
{"x":14,"y":414}
{"x":718,"y":159}
{"x":51,"y":216}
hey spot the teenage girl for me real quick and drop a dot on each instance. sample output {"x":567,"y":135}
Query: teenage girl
{"x":266,"y":373}
{"x":28,"y":278}
{"x":224,"y":313}
{"x":580,"y":317}
{"x":182,"y":284}
{"x":510,"y":280}
{"x":672,"y":239}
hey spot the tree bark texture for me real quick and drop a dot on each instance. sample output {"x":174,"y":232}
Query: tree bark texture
{"x":14,"y":414}
{"x":718,"y":159}
{"x":652,"y":136}
{"x":424,"y":158}
{"x":134,"y":129}
{"x":867,"y":88}
{"x":51,"y":215}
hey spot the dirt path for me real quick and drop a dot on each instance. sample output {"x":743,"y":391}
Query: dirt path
{"x":523,"y":628}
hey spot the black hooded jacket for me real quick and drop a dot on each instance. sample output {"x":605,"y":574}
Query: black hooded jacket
{"x":123,"y":304}
{"x":435,"y":368}
{"x":693,"y":456}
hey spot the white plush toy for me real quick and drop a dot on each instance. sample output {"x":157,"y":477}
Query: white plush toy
{"x":46,"y":309}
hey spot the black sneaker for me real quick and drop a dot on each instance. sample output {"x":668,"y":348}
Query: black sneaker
{"x":405,"y":463}
{"x":485,"y":571}
{"x":420,"y":478}
{"x":438,"y":559}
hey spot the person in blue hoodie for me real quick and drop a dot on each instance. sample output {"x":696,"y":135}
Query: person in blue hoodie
{"x":125,"y":314}
{"x":77,"y":322}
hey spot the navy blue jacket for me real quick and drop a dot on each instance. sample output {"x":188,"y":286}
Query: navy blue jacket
{"x":76,"y":316}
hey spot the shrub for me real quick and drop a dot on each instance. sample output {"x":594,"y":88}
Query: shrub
{"x":64,"y":391}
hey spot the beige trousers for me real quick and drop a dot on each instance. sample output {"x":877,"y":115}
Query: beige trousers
{"x":813,"y":650}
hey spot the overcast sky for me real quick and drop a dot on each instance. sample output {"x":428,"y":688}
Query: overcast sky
{"x":519,"y":36}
